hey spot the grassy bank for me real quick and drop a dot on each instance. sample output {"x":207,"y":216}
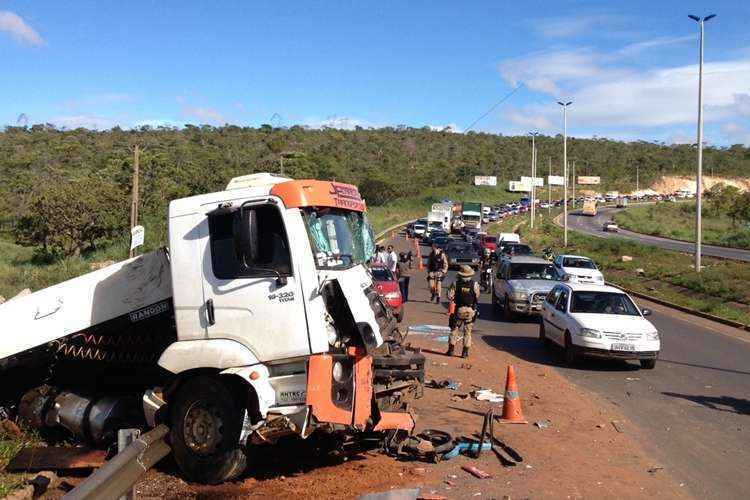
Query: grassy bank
{"x":721,"y":289}
{"x":677,"y":220}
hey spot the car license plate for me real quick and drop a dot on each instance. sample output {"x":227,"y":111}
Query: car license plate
{"x":623,"y":347}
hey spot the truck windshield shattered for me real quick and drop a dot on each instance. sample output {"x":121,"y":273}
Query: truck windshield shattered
{"x":340,"y":238}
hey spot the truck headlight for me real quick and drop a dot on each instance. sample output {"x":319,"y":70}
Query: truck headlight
{"x":520,"y":296}
{"x":600,"y":279}
{"x":338,"y":372}
{"x":652,"y":335}
{"x":591,"y":333}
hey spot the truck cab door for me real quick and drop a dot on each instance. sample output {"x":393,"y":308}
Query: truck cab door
{"x":259,"y":303}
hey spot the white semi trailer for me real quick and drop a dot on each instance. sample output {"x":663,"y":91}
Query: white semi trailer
{"x":259,"y":321}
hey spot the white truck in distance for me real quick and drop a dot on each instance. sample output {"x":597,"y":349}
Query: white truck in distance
{"x":445,"y":211}
{"x":261,"y":321}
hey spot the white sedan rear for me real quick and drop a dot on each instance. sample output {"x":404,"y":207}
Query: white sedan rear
{"x":598,"y":321}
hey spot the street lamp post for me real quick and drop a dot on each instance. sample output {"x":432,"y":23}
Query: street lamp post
{"x":565,"y":169}
{"x":533,"y":176}
{"x":699,"y":177}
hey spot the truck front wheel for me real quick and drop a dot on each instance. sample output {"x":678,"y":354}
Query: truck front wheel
{"x":206,"y":422}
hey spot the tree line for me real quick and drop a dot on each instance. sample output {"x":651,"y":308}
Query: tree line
{"x":67,"y":191}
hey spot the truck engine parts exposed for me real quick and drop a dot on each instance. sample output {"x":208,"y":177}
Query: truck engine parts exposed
{"x":95,"y":420}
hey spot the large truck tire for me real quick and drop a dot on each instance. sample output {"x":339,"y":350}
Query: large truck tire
{"x":206,"y":422}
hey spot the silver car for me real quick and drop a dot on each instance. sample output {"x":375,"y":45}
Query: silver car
{"x":521,"y":285}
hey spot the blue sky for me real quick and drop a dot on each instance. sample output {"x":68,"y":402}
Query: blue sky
{"x":630,"y":67}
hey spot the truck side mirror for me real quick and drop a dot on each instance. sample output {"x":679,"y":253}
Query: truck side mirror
{"x":246,"y":234}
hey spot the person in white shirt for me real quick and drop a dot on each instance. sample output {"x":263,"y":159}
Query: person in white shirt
{"x":391,"y":260}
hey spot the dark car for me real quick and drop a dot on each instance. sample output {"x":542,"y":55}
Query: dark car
{"x":433,"y":235}
{"x":511,"y":249}
{"x":460,"y":253}
{"x":441,"y":241}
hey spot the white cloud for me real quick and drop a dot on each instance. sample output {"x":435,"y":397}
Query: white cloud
{"x":736,"y":133}
{"x":450,"y":127}
{"x":608,"y":94}
{"x":564,"y":27}
{"x":529,"y":120}
{"x":17,"y":28}
{"x":638,"y":47}
{"x":205,"y":114}
{"x":157,"y":122}
{"x":338,"y":122}
{"x":82,"y":121}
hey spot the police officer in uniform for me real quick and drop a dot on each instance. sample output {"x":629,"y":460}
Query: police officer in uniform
{"x":437,"y":266}
{"x":464,"y":293}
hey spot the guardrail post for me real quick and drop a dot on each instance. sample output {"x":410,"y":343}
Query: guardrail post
{"x":124,"y":438}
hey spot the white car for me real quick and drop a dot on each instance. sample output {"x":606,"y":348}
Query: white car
{"x":577,"y":269}
{"x":598,"y":321}
{"x":611,"y":227}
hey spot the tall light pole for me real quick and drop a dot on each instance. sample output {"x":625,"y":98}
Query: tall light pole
{"x":533,"y":175}
{"x":699,"y":177}
{"x":573,"y":178}
{"x":565,"y":169}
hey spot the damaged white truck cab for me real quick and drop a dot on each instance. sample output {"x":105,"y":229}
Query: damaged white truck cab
{"x":278,"y":328}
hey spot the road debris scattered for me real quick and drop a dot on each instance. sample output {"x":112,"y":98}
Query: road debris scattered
{"x":487,"y":395}
{"x":443,"y":384}
{"x":543,"y":424}
{"x":618,"y":426}
{"x":478,"y":473}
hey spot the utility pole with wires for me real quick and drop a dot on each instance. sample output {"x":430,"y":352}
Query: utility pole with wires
{"x":549,"y":187}
{"x":573,"y":178}
{"x":565,"y":170}
{"x":135,"y":196}
{"x":533,"y":176}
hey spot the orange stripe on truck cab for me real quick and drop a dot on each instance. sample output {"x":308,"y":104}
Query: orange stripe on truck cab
{"x":313,"y":193}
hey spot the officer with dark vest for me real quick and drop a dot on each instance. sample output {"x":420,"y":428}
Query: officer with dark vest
{"x":437,"y":266}
{"x":464,"y":295}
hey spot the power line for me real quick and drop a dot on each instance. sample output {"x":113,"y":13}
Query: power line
{"x":494,"y":106}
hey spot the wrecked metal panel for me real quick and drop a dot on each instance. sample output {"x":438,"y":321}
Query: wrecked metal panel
{"x":138,"y":285}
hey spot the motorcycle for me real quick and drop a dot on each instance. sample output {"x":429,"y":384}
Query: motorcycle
{"x":485,"y":279}
{"x":549,"y":254}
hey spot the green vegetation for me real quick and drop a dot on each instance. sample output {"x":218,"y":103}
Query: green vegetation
{"x":9,"y":446}
{"x":38,"y":166}
{"x":721,"y":289}
{"x":726,"y":219}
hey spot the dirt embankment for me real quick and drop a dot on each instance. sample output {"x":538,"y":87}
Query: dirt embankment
{"x":670,"y":184}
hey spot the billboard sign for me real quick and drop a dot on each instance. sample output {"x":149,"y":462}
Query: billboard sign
{"x":589,"y":180}
{"x":538,"y":181}
{"x":556,"y":180}
{"x":518,"y":187}
{"x":485,"y":180}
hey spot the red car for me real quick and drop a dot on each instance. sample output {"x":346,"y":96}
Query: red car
{"x":387,"y":286}
{"x":487,"y":241}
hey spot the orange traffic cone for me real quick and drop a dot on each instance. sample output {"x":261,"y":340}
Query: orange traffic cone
{"x":451,"y":308}
{"x":419,"y":256}
{"x":512,"y":413}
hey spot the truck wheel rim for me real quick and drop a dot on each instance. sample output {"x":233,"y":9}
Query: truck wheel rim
{"x":203,"y":428}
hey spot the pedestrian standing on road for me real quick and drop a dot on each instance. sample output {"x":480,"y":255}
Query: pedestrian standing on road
{"x":437,"y":266}
{"x":391,"y":259}
{"x":380,"y":255}
{"x":404,"y":276}
{"x":464,"y":293}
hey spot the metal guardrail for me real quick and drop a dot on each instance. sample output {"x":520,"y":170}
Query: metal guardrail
{"x":116,"y":477}
{"x":379,"y":236}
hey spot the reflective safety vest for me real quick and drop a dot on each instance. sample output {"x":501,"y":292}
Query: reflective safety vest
{"x":436,"y":262}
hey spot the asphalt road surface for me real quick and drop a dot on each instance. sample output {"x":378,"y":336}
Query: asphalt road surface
{"x":692,"y":412}
{"x":593,"y":226}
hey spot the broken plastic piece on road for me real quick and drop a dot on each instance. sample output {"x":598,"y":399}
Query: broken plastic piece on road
{"x":400,"y":494}
{"x":466,"y":447}
{"x":478,"y":473}
{"x":543,"y":424}
{"x":429,"y":330}
{"x":487,"y":395}
{"x":443,"y":384}
{"x":618,"y":426}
